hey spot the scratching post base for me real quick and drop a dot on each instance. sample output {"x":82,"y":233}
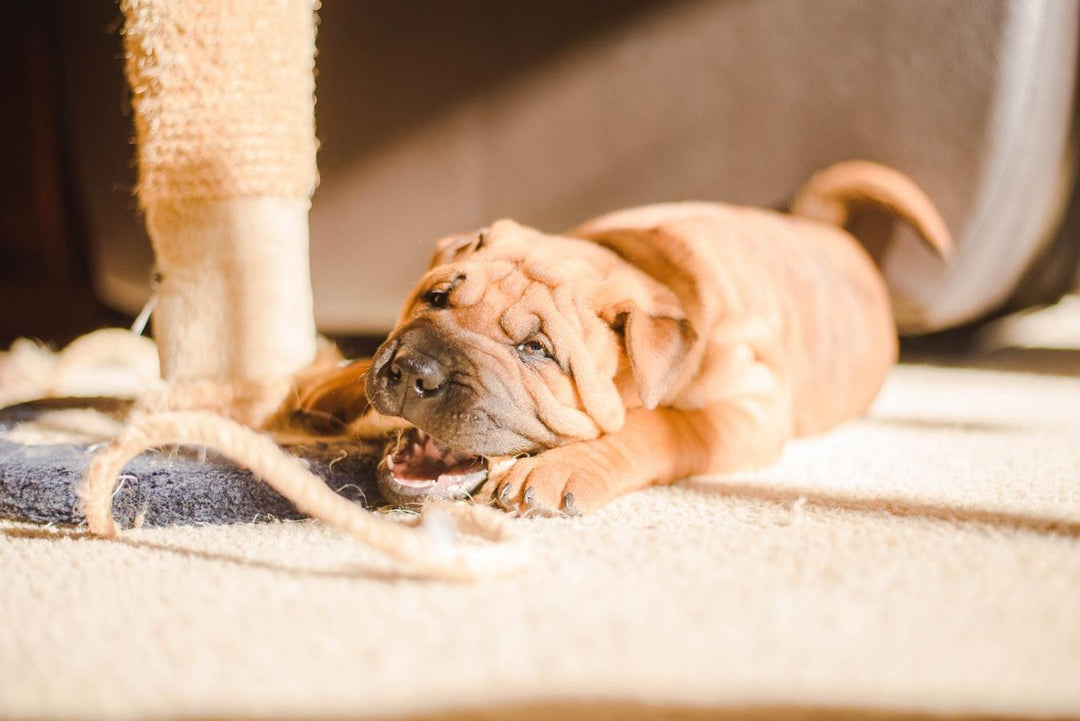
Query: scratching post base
{"x":164,"y":487}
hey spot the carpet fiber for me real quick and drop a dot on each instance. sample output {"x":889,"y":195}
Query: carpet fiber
{"x":923,"y":560}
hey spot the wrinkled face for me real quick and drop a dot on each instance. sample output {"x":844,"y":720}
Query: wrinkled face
{"x":501,"y":348}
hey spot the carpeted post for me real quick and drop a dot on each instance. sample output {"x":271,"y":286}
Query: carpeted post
{"x":223,"y":94}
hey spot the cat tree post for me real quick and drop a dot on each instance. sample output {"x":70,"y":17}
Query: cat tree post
{"x":223,"y":94}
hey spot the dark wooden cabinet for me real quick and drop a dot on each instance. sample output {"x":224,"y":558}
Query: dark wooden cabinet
{"x":44,"y":280}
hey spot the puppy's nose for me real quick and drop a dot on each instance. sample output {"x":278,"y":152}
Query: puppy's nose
{"x":418,"y":372}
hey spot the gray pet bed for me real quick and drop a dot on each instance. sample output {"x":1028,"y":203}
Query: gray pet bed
{"x":176,"y":486}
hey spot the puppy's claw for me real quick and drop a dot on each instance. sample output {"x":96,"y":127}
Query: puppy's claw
{"x":505,"y":496}
{"x":529,"y":498}
{"x":568,"y":505}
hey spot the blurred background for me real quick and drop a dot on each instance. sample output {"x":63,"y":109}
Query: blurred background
{"x":437,"y":117}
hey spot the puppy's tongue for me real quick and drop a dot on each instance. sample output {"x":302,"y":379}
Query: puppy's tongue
{"x":417,"y":468}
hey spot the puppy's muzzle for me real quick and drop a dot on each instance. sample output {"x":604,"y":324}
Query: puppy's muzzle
{"x":410,"y":376}
{"x":426,"y":374}
{"x":416,"y":372}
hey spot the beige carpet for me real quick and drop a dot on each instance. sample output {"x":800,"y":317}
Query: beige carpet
{"x":924,"y":560}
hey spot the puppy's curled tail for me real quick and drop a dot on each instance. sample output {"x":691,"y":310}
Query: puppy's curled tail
{"x":832,"y":193}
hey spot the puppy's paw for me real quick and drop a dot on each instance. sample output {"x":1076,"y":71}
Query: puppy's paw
{"x":566,"y":480}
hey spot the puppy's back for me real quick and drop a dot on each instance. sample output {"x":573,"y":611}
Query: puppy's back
{"x":811,"y":285}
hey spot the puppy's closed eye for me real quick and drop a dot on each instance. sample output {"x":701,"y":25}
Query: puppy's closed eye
{"x":439,"y":296}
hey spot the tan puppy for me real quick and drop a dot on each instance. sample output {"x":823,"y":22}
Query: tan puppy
{"x":644,"y":346}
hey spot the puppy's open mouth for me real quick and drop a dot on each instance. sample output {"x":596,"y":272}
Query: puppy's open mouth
{"x":416,"y":468}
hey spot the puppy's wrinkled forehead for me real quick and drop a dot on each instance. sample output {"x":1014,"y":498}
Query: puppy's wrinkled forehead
{"x":505,"y":273}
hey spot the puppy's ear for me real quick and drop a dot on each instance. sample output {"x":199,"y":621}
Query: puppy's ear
{"x":455,"y":247}
{"x":656,"y":346}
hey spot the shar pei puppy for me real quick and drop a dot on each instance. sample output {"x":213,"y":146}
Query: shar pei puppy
{"x":641,"y":347}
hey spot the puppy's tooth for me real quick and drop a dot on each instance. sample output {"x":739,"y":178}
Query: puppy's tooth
{"x":390,"y":462}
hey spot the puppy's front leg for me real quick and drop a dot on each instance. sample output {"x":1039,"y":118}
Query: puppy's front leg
{"x":654,"y":447}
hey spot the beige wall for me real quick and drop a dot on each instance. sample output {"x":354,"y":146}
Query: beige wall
{"x":441,"y":116}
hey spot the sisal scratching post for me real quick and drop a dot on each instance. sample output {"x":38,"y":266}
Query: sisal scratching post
{"x":223,"y":94}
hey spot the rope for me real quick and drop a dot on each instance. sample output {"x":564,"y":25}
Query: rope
{"x":428,"y":550}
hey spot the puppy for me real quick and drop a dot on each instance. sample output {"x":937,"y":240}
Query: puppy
{"x":642,"y":347}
